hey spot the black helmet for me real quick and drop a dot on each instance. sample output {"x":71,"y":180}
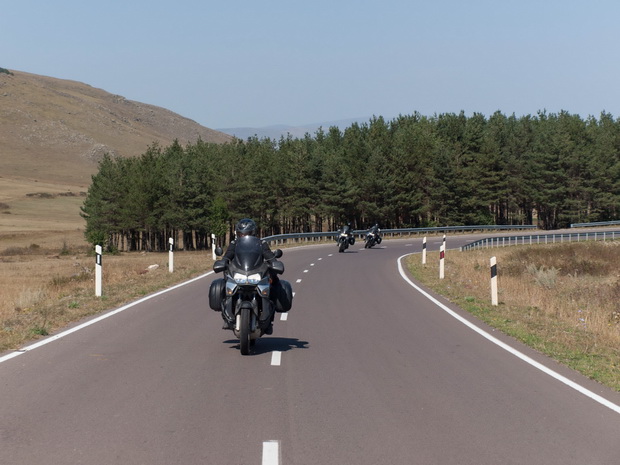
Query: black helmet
{"x":245,"y":227}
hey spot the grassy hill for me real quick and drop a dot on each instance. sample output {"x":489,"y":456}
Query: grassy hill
{"x":55,"y":130}
{"x":52,"y":134}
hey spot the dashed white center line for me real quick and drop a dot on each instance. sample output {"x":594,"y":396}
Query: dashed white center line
{"x":330,"y":254}
{"x":305,"y":271}
{"x":298,"y":281}
{"x":311,"y":264}
{"x":276,"y":358}
{"x":283,"y":316}
{"x":320,"y":258}
{"x":271,"y":453}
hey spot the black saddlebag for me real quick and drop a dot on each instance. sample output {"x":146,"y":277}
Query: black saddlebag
{"x":217,"y":294}
{"x":284,"y":296}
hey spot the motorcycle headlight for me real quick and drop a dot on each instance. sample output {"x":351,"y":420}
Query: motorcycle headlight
{"x":241,"y":278}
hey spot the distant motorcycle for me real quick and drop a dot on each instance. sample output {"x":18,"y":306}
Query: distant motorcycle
{"x":344,"y":239}
{"x":245,"y":294}
{"x":372,"y":237}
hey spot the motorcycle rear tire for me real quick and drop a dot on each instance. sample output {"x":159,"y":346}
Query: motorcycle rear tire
{"x":244,"y":332}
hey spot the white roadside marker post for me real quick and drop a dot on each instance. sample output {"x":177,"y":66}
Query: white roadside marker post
{"x":424,"y":251}
{"x":213,"y":246}
{"x":442,"y":256}
{"x":171,"y":255}
{"x":494,"y":300}
{"x":98,"y":253}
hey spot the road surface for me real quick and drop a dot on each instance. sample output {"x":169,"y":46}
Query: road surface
{"x":365,"y":370}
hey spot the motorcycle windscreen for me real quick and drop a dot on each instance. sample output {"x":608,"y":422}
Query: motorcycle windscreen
{"x":248,"y":253}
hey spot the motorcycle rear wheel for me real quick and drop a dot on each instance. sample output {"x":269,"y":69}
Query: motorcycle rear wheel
{"x":244,"y":332}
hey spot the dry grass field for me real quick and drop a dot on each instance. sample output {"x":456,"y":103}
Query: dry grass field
{"x":47,"y":268}
{"x":562,"y":300}
{"x":45,"y":288}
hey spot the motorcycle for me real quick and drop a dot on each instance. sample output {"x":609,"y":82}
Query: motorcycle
{"x":344,"y":239}
{"x":372,"y":238}
{"x":245,"y":295}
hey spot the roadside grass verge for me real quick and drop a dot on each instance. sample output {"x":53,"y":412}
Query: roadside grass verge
{"x":561,"y":300}
{"x":45,"y":290}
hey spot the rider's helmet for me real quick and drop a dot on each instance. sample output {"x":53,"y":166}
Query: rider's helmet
{"x":245,"y":227}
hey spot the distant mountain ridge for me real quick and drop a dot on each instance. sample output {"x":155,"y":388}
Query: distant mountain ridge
{"x":281,"y":130}
{"x":56,"y":130}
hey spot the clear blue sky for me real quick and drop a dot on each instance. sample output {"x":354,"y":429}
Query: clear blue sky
{"x":258,"y":63}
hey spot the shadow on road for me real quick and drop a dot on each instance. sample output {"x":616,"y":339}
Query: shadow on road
{"x":270,"y":344}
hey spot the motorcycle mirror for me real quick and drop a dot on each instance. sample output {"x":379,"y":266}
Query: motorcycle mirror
{"x":278,"y":253}
{"x":219,"y":266}
{"x":218,"y":251}
{"x":277,"y":266}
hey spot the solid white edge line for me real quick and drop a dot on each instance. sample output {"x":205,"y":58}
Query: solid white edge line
{"x":601,"y":400}
{"x":271,"y":453}
{"x":276,"y":358}
{"x":43,"y":342}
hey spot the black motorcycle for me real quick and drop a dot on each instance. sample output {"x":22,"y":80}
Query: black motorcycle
{"x":245,"y":295}
{"x":344,"y":239}
{"x":372,"y":238}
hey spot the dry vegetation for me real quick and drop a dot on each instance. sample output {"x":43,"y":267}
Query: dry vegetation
{"x":47,"y":268}
{"x":47,"y":288}
{"x":562,"y":300}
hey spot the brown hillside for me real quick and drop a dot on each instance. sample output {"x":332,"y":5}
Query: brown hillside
{"x":55,"y":130}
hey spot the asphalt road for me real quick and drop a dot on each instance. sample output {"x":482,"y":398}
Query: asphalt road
{"x":364,"y":370}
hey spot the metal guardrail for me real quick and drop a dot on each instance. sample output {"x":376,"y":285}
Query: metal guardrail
{"x":600,"y":223}
{"x":554,"y":238}
{"x":283,"y":238}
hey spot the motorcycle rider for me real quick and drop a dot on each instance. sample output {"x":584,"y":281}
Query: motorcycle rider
{"x":345,"y":229}
{"x":247,"y":227}
{"x":373,"y":235}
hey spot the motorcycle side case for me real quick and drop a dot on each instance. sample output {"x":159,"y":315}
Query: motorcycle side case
{"x":284,"y":298}
{"x":217,"y":293}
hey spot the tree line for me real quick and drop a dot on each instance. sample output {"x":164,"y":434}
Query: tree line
{"x":413,"y":171}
